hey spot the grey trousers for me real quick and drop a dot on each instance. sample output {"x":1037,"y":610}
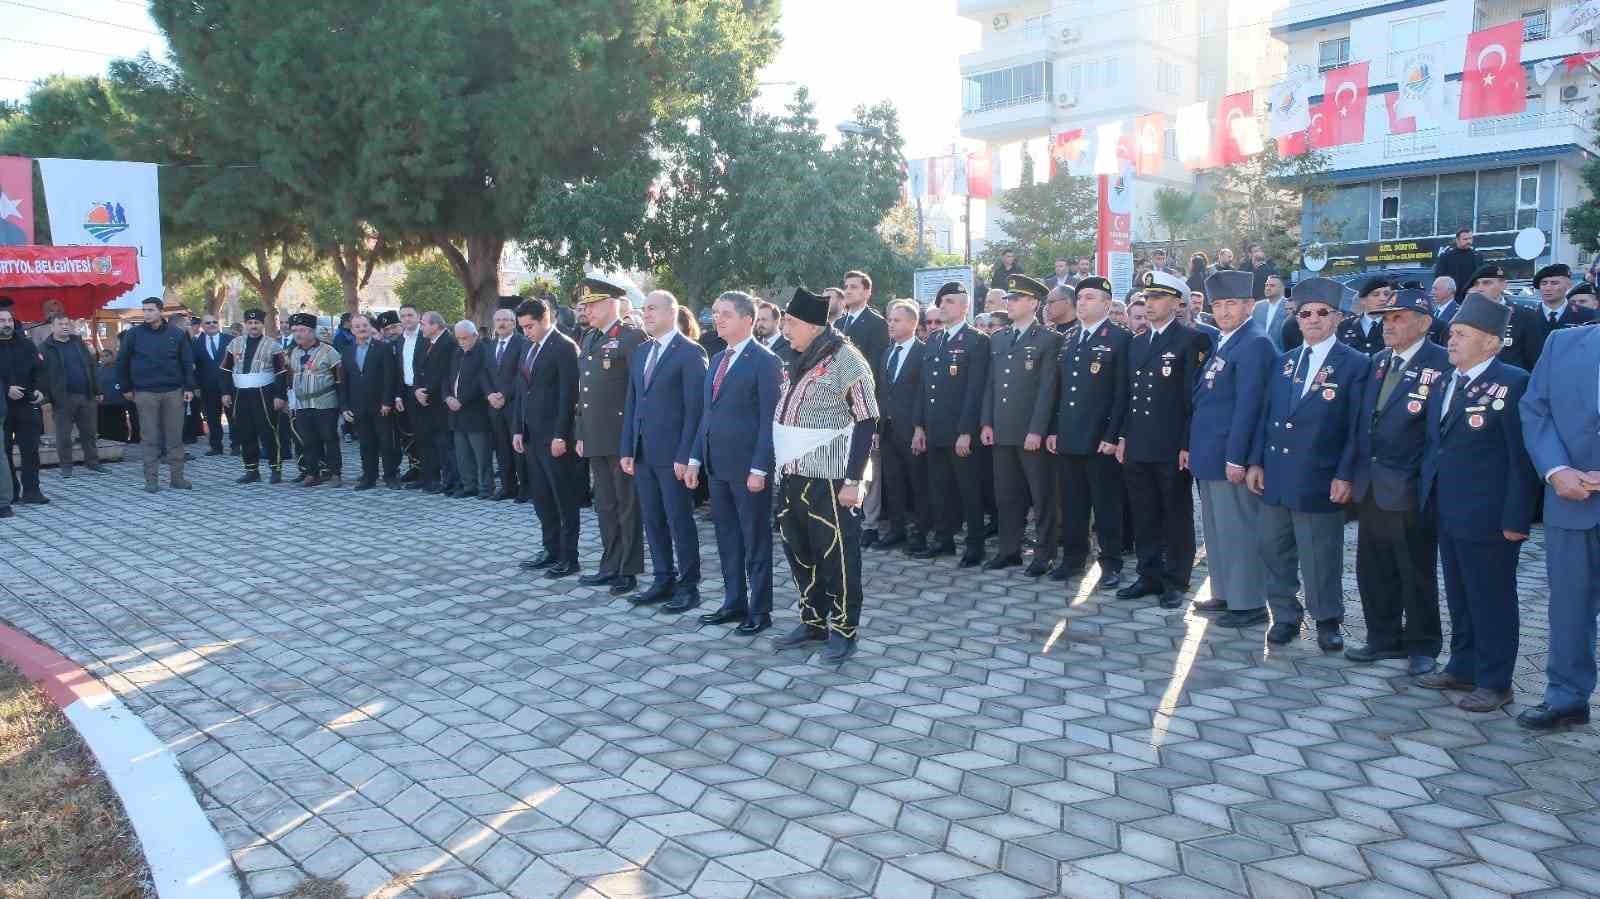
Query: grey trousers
{"x":160,"y":430}
{"x":475,"y":461}
{"x":83,"y":411}
{"x":1232,"y":518}
{"x":616,"y":510}
{"x":1308,"y":543}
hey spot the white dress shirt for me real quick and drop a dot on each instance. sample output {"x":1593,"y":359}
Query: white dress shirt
{"x":1319,"y":355}
{"x":408,"y":346}
{"x":1472,"y":374}
{"x":905,"y":352}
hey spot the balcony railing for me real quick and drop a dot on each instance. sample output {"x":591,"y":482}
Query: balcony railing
{"x":1004,"y":103}
{"x":1524,"y":121}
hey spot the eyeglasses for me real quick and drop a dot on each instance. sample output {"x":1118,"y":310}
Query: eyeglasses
{"x":1319,"y":313}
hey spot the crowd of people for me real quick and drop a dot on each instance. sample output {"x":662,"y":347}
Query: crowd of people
{"x":1063,"y":425}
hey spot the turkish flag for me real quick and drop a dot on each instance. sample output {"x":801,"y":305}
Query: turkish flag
{"x":1344,"y":105}
{"x":1149,"y":142}
{"x":980,"y":176}
{"x":1492,"y":79}
{"x":1292,"y":144}
{"x":1070,"y":150}
{"x":16,"y":200}
{"x":1398,"y":125}
{"x":1230,"y":149}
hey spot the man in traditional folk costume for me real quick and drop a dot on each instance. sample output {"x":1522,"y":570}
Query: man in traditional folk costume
{"x":253,"y":395}
{"x":314,"y":375}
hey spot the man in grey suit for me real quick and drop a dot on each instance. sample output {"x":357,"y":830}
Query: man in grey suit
{"x":1018,"y":403}
{"x":1272,"y":310}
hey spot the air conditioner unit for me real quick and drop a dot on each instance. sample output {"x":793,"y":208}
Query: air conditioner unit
{"x":1002,"y":22}
{"x":1569,"y":93}
{"x":1070,"y":35}
{"x":1066,"y":100}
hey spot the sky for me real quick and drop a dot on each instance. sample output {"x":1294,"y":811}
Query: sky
{"x":846,"y":52}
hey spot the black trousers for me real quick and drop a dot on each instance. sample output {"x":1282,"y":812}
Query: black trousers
{"x":1396,"y":556}
{"x":210,"y":403}
{"x":192,"y":419}
{"x":904,"y":481}
{"x":1091,"y":484}
{"x":1163,"y":522}
{"x":506,"y":458}
{"x":1023,"y":479}
{"x":431,"y":436}
{"x":375,"y":439}
{"x":823,"y":542}
{"x":405,"y":432}
{"x":551,"y":481}
{"x":964,"y":503}
{"x":256,"y":424}
{"x":318,"y":431}
{"x":114,"y":423}
{"x":24,"y":422}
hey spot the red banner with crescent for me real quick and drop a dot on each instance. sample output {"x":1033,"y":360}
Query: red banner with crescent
{"x":1344,"y":107}
{"x":1492,"y":79}
{"x":16,"y":200}
{"x":1114,"y":232}
{"x":1234,"y":106}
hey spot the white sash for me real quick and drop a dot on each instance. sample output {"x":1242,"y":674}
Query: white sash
{"x":790,"y":443}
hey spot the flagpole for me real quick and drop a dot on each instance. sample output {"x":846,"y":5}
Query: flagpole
{"x":968,"y":219}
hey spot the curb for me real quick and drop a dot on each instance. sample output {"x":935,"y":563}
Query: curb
{"x":186,"y":855}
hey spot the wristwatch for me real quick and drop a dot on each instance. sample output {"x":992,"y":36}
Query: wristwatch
{"x":850,"y":483}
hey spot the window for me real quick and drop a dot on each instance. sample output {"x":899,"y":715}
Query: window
{"x":1108,"y":72}
{"x":1497,"y":200}
{"x":1169,"y":78}
{"x":1168,"y":17}
{"x":1535,"y":16}
{"x":1169,"y":143}
{"x":1535,"y":24}
{"x":1388,"y":209}
{"x":1074,"y":80}
{"x":1347,"y":212}
{"x":1332,"y":54}
{"x":1418,"y":199}
{"x":1408,"y":36}
{"x":1018,"y":84}
{"x":1528,"y":197}
{"x":1034,"y":26}
{"x":1457,"y":194}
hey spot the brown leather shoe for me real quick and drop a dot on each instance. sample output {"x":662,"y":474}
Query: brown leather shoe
{"x":1443,"y":680}
{"x":1484,"y":699}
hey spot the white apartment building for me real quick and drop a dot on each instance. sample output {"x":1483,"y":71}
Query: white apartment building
{"x":1399,"y":198}
{"x":1049,"y":66}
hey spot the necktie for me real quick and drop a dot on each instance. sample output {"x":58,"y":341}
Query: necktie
{"x":1300,"y":367}
{"x":1553,"y":319}
{"x":499,"y":350}
{"x":722,"y":372}
{"x":527,"y":361}
{"x":894,"y":364}
{"x":650,"y":363}
{"x":1397,"y":367}
{"x":1458,"y":398}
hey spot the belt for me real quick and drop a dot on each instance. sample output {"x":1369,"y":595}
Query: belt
{"x":252,"y":379}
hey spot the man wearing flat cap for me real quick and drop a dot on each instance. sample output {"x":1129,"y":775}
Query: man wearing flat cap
{"x":1479,"y":483}
{"x":253,"y":393}
{"x":1017,"y":406}
{"x":604,"y":355}
{"x":314,"y":375}
{"x":955,"y":371}
{"x":1302,"y":466}
{"x":1363,"y":330}
{"x":1555,"y":312}
{"x":1397,"y":545}
{"x":1523,"y":340}
{"x":822,"y":432}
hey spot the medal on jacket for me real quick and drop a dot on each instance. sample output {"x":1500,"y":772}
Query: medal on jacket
{"x":1414,"y":407}
{"x":1094,"y":368}
{"x":1166,"y":371}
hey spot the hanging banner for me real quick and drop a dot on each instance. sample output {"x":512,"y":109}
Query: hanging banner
{"x":980,"y":177}
{"x":1114,"y":234}
{"x":1109,"y":149}
{"x":1421,"y":89}
{"x":114,"y":204}
{"x":1194,"y":134}
{"x":958,"y":176}
{"x":16,"y":201}
{"x":1291,"y":109}
{"x":1344,"y":105}
{"x":1399,"y":123}
{"x":1007,"y":166}
{"x":1038,"y":152}
{"x":917,"y":177}
{"x":1493,"y":82}
{"x":1238,"y":135}
{"x":1150,"y":143}
{"x":1070,"y":150}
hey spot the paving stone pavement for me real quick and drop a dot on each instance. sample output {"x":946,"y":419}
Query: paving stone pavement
{"x":363,"y":687}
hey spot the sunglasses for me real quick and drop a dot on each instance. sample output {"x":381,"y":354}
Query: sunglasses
{"x":1319,"y":313}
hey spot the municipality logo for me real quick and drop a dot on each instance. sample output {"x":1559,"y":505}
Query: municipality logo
{"x":105,"y":221}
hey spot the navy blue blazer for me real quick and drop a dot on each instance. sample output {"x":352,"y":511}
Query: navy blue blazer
{"x":208,"y":368}
{"x":546,"y":396}
{"x":1305,"y":443}
{"x":1227,"y":402}
{"x":1390,"y":439}
{"x":660,"y":422}
{"x":1561,"y":420}
{"x":735,"y":435}
{"x":960,"y":366}
{"x":1476,"y":475}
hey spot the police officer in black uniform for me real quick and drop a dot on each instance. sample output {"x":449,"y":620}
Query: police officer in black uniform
{"x":954,"y":373}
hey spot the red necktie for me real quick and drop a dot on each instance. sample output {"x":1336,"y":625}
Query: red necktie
{"x":722,"y":372}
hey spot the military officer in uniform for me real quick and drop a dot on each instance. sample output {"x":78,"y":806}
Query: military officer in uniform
{"x":1163,"y":365}
{"x":1227,"y":410}
{"x":1524,"y":338}
{"x":954,"y":374}
{"x":1092,"y":368}
{"x":604,"y":355}
{"x":1397,"y":548}
{"x":1479,"y":483}
{"x":1553,"y":282}
{"x":1364,"y":329}
{"x":1017,"y":405}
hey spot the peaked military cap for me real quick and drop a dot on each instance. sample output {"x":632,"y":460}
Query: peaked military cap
{"x":1024,"y":286}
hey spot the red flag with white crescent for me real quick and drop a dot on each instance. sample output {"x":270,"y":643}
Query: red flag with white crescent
{"x":1344,"y":105}
{"x":1230,"y":151}
{"x":1150,"y":141}
{"x":1492,"y":80}
{"x":1398,"y":124}
{"x":16,"y":200}
{"x":1292,"y":144}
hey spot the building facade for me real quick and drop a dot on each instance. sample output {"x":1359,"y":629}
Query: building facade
{"x":1397,"y":199}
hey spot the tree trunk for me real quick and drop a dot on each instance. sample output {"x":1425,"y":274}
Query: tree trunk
{"x":354,"y":270}
{"x":216,"y":294}
{"x":478,"y":270}
{"x":267,"y":283}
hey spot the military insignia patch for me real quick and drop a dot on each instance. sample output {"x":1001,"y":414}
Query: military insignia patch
{"x":1414,"y":406}
{"x":1475,"y":421}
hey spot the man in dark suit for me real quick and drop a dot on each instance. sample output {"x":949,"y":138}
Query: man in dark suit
{"x":955,"y":371}
{"x":1303,"y":465}
{"x":434,"y":349}
{"x":1227,"y":410}
{"x":1092,"y":367}
{"x":544,"y":397}
{"x":406,"y":344}
{"x":366,"y":396}
{"x":467,"y":397}
{"x":604,"y":357}
{"x":1015,"y":419}
{"x":1555,"y":312}
{"x":1479,"y":483}
{"x":904,"y":473}
{"x":733,"y":451}
{"x":769,"y":331}
{"x":505,"y":348}
{"x":1561,"y":424}
{"x":868,"y":331}
{"x":1524,"y":338}
{"x":208,"y":352}
{"x":1397,"y":547}
{"x":660,"y":421}
{"x":1164,"y":364}
{"x":1363,"y":330}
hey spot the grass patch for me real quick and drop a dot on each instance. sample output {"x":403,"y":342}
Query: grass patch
{"x":63,"y":834}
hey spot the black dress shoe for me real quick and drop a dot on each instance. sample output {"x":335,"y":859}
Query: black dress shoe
{"x":682,"y":601}
{"x":275,"y":478}
{"x":754,"y":626}
{"x":722,"y":616}
{"x":1283,"y":632}
{"x":33,"y":498}
{"x":1329,"y":636}
{"x":411,"y":475}
{"x":434,"y":489}
{"x":660,"y":591}
{"x":1110,"y":580}
{"x":1243,"y":618}
{"x":623,"y":584}
{"x":913,"y":549}
{"x":249,"y":477}
{"x":299,"y":477}
{"x":1171,"y":599}
{"x":1369,"y":653}
{"x":523,"y":499}
{"x":1210,"y":605}
{"x":1417,"y":666}
{"x":466,"y":494}
{"x":214,"y":452}
{"x":1542,"y":717}
{"x":1138,"y":588}
{"x":1000,"y":563}
{"x":502,"y":494}
{"x":971,"y":558}
{"x":801,"y":635}
{"x":562,"y":569}
{"x":596,"y":580}
{"x":934,"y":551}
{"x":1066,"y":571}
{"x":311,"y":481}
{"x":365,"y":484}
{"x":890,"y":541}
{"x":411,"y":485}
{"x":7,"y":512}
{"x":869,"y":539}
{"x":838,"y":649}
{"x":393,"y":485}
{"x":1037,"y":568}
{"x":542,"y":560}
